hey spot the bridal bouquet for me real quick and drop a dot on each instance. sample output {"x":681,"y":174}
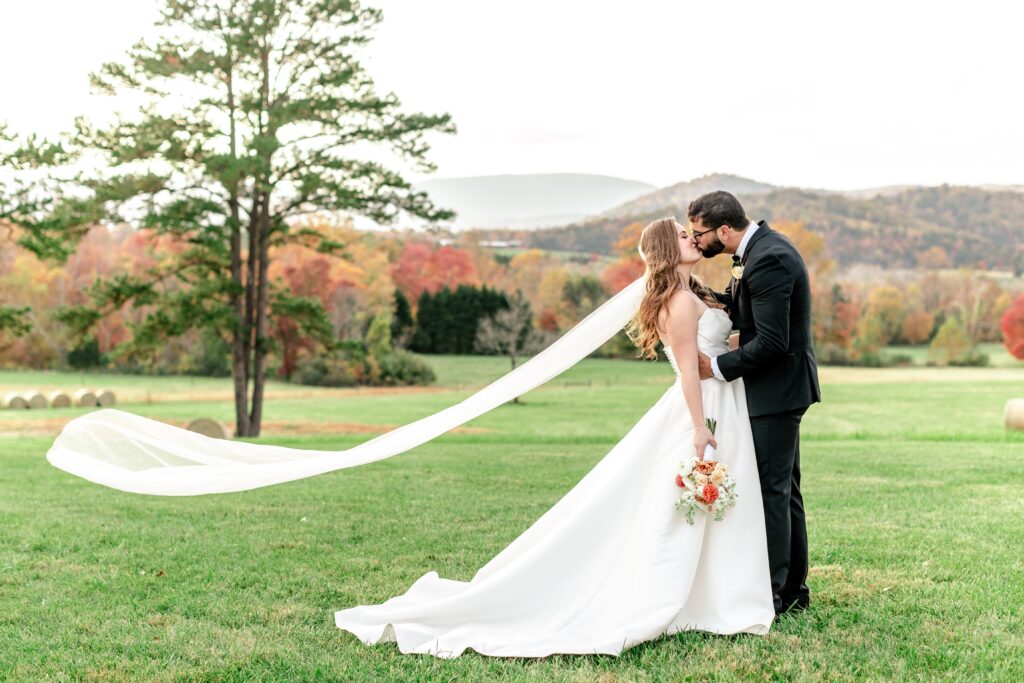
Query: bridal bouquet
{"x":706,"y":486}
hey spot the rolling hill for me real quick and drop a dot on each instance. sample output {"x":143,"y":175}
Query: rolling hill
{"x":530,"y":201}
{"x":887,"y":226}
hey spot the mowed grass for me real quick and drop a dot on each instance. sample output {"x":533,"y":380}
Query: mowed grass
{"x":914,"y":493}
{"x":998,"y":356}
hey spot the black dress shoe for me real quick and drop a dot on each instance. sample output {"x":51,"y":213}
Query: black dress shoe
{"x":793,"y":605}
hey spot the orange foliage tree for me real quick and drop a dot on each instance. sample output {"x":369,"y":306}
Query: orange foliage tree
{"x":628,"y":266}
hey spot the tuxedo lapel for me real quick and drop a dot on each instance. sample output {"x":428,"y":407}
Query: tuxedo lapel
{"x":736,"y":285}
{"x":762,"y":230}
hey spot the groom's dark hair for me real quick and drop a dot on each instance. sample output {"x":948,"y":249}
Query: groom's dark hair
{"x":718,"y":208}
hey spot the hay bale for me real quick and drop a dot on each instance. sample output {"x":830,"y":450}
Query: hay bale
{"x":1013,"y":416}
{"x":35,"y":400}
{"x":58,"y":399}
{"x":14,"y":401}
{"x":105,"y":397}
{"x":208,"y":427}
{"x":84,"y":398}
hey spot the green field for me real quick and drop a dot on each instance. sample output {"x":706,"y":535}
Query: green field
{"x":998,"y":356}
{"x":914,"y":492}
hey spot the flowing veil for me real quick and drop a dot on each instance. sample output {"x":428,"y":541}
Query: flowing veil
{"x":141,"y":455}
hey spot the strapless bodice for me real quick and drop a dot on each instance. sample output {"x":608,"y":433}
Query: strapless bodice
{"x":713,"y":330}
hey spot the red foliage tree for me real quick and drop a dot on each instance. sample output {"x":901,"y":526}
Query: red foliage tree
{"x":1012,"y":325}
{"x":420,"y":267}
{"x":309,"y":277}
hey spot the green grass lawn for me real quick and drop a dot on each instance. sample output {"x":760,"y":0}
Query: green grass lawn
{"x":914,"y":492}
{"x":998,"y":356}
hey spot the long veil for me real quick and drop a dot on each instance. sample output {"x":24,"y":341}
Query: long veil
{"x":140,"y":455}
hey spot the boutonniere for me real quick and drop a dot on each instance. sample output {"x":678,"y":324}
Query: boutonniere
{"x":737,"y":272}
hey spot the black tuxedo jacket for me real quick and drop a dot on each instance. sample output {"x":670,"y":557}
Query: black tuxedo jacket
{"x":770,"y":306}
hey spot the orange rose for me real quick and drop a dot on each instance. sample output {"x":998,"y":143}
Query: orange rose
{"x":710,"y":493}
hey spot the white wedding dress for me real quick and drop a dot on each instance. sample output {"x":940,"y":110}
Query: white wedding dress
{"x":612,"y":564}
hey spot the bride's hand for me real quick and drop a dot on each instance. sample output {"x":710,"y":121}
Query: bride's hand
{"x":702,"y":436}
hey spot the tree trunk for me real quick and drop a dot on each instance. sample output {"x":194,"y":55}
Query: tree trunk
{"x":249,"y":326}
{"x":260,"y":247}
{"x":260,"y":369}
{"x":512,"y":358}
{"x":240,"y":335}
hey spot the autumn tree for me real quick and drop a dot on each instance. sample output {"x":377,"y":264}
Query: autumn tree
{"x":811,"y":246}
{"x":836,"y":319}
{"x":628,"y":265}
{"x":918,"y":326}
{"x":1012,"y":325}
{"x":951,"y":342}
{"x":258,"y":112}
{"x":881,"y":319}
{"x":423,"y":267}
{"x":980,"y":303}
{"x":526,"y":272}
{"x":933,"y":258}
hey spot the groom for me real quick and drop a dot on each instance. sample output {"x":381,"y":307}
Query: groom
{"x":769,"y":301}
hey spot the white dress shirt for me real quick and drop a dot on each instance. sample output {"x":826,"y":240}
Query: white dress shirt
{"x":747,"y":234}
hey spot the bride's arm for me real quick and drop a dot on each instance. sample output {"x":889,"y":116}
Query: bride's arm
{"x":681,"y":332}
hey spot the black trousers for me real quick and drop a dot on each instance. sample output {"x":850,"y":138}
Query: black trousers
{"x":777,"y":445}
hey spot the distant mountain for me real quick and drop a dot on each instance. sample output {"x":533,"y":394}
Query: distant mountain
{"x":669,"y":199}
{"x":888,"y":226}
{"x":871,"y":192}
{"x":530,"y":201}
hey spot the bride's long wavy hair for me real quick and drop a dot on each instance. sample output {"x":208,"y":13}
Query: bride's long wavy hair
{"x":659,"y":248}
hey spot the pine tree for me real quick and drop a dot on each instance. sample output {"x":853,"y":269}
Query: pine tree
{"x":402,"y":322}
{"x":256,"y":110}
{"x":422,"y":340}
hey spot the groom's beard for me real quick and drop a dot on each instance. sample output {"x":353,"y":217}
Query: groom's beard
{"x":713,"y":249}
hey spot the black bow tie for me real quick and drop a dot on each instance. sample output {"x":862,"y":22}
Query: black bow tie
{"x":735,"y":260}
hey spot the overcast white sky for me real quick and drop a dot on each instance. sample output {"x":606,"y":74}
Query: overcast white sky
{"x":838,"y":95}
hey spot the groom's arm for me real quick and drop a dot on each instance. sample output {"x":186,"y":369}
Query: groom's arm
{"x":724,"y":298}
{"x":770,"y":284}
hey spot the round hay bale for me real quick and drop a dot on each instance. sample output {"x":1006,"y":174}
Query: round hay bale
{"x":14,"y":401}
{"x":59,"y":399}
{"x":105,"y":397}
{"x":35,"y":400}
{"x":208,"y":427}
{"x":1013,"y":416}
{"x":84,"y":398}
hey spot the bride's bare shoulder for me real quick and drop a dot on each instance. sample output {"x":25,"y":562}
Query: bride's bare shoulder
{"x":681,"y":308}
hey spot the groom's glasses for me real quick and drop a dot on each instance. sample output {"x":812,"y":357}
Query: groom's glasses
{"x":698,"y":235}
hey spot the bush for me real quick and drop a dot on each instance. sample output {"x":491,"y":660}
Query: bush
{"x":833,"y":354}
{"x":973,"y":358}
{"x":620,"y":346}
{"x":401,"y":367}
{"x":901,"y":360}
{"x":353,"y":366}
{"x":322,"y":371}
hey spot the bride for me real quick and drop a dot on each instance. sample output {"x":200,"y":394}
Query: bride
{"x":613,"y":564}
{"x":610,"y":565}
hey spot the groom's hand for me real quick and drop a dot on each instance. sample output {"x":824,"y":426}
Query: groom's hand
{"x":704,"y":366}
